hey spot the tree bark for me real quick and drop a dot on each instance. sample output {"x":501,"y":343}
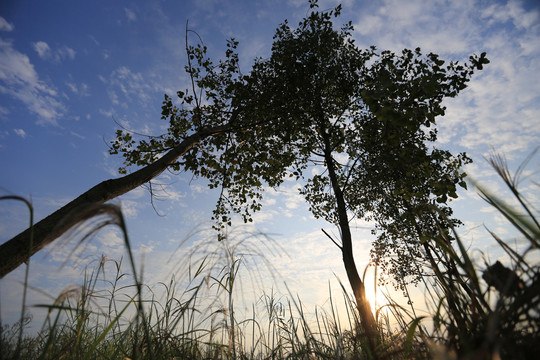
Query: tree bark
{"x":16,"y":251}
{"x":367,"y":320}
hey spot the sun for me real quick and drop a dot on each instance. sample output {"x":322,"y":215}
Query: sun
{"x":375,"y":295}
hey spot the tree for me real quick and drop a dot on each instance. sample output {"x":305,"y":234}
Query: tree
{"x":365,"y":118}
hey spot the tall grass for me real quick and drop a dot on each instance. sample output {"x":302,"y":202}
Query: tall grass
{"x":493,"y":312}
{"x":479,"y":309}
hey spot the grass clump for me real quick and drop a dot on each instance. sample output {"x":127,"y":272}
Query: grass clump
{"x":492,"y":310}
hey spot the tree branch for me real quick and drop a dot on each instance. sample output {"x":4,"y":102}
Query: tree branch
{"x":325,"y":233}
{"x":15,"y":251}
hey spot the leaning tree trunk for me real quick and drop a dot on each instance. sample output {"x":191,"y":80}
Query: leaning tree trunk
{"x":367,"y":320}
{"x":16,"y":251}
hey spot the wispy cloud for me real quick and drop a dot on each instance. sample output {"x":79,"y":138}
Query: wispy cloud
{"x":46,"y":53}
{"x":20,"y":132}
{"x":511,"y":11}
{"x":82,"y":137}
{"x":130,"y":84}
{"x":395,"y":25}
{"x":112,"y":242}
{"x":79,"y":89}
{"x":5,"y":26}
{"x":130,"y":14}
{"x":501,"y":103}
{"x":130,"y":208}
{"x":66,"y":53}
{"x":3,"y":112}
{"x":19,"y":79}
{"x":43,"y":49}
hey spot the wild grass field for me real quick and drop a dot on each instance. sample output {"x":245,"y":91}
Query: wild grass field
{"x":478,"y":309}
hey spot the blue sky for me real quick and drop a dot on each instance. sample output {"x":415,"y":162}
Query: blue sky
{"x":71,"y":70}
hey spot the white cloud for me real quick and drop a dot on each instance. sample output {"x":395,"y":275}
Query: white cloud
{"x":396,"y":25}
{"x":5,"y":26}
{"x":130,"y":14}
{"x":198,"y":189}
{"x":133,"y":86}
{"x":296,"y":3}
{"x":511,"y":11}
{"x":143,"y":249}
{"x":167,"y":192}
{"x":72,"y":87}
{"x":291,"y":197}
{"x":94,"y":40}
{"x":66,"y":53}
{"x":130,"y":208}
{"x":138,"y":193}
{"x":294,"y":200}
{"x":81,"y":89}
{"x":114,"y":97}
{"x":312,"y":260}
{"x":43,"y":49}
{"x":82,"y":137}
{"x":19,"y":79}
{"x":20,"y":132}
{"x":268,"y":201}
{"x":260,"y":217}
{"x":46,"y":53}
{"x":500,"y":105}
{"x":112,"y":242}
{"x":107,"y":113}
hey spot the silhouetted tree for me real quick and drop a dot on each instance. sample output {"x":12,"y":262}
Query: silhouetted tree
{"x":365,"y":117}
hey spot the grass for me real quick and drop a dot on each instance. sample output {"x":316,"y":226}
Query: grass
{"x":477,"y":310}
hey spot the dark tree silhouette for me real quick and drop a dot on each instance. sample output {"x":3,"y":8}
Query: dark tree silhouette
{"x":364,"y":117}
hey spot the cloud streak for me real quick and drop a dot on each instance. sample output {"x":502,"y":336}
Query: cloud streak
{"x":19,"y":80}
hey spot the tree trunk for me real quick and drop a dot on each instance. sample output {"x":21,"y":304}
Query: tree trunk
{"x":16,"y":251}
{"x":367,"y":320}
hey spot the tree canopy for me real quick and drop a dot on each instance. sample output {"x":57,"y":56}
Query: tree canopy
{"x":366,"y":118}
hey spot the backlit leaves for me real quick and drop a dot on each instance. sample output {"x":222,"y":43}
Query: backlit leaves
{"x":319,"y":100}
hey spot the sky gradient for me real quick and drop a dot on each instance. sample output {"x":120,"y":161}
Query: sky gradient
{"x":72,"y":72}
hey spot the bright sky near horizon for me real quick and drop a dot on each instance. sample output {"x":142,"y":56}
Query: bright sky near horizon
{"x":71,"y":70}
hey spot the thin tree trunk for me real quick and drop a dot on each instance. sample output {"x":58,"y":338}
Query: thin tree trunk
{"x":16,"y":251}
{"x":367,"y":320}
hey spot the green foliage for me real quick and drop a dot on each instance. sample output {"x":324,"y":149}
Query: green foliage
{"x":365,"y":116}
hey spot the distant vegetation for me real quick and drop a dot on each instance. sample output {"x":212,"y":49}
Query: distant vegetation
{"x":479,"y":310}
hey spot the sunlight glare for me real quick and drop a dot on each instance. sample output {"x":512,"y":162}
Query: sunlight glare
{"x":375,"y":295}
